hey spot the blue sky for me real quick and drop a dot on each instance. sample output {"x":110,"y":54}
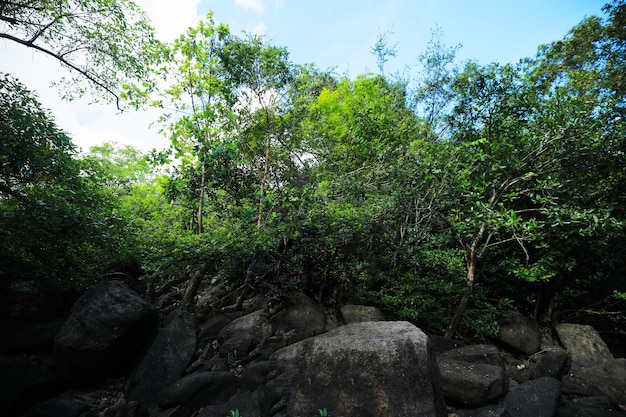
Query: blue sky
{"x":329,"y":33}
{"x":340,"y":33}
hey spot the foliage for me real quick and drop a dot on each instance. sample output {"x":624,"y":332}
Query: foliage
{"x":106,"y":45}
{"x":486,"y":189}
{"x":59,"y":226}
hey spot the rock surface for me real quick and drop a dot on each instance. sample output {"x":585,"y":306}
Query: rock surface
{"x":107,"y":327}
{"x":472,"y":375}
{"x":166,"y":359}
{"x":361,"y":369}
{"x":537,"y":398}
{"x":520,"y":333}
{"x":584,"y":344}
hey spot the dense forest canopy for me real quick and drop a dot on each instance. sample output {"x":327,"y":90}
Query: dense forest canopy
{"x":483,"y":189}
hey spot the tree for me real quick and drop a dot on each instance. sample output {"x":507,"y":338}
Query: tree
{"x":261,"y":75}
{"x":433,"y":97}
{"x":201,"y":100}
{"x":382,"y":51}
{"x":59,"y":228}
{"x":106,"y":45}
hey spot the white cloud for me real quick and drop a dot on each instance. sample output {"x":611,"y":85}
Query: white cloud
{"x":258,"y":29}
{"x":92,"y":124}
{"x":255,"y":5}
{"x":171,"y":18}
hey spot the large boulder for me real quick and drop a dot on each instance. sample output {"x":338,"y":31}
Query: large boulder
{"x":245,"y":334}
{"x":360,"y":369}
{"x":554,"y":362}
{"x":584,"y":344}
{"x":536,"y":398}
{"x":353,"y":313}
{"x":303,"y":318}
{"x":473,"y":374}
{"x":107,"y":327}
{"x":609,"y":378}
{"x":200,"y":390}
{"x":520,"y":333}
{"x":166,"y":359}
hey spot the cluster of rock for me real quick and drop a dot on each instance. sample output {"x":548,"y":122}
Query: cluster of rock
{"x":114,"y":357}
{"x":532,"y":375}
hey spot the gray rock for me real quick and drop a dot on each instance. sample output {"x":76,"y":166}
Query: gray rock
{"x":370,"y":368}
{"x":520,"y":333}
{"x":304,"y":318}
{"x":166,"y":359}
{"x":588,"y":407}
{"x":179,"y":411}
{"x":357,"y":313}
{"x":584,"y":344}
{"x":199,"y":390}
{"x":487,"y":411}
{"x":63,"y":405}
{"x":471,"y":383}
{"x":485,"y":354}
{"x":536,"y":398}
{"x":609,"y":378}
{"x":107,"y":327}
{"x":245,"y":333}
{"x":554,"y":363}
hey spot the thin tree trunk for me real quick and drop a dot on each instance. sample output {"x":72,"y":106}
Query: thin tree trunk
{"x":471,"y":275}
{"x":192,"y":289}
{"x":266,"y":168}
{"x":201,"y":200}
{"x":458,"y":315}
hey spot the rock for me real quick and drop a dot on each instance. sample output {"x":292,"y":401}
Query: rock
{"x":64,"y":405}
{"x":608,"y":378}
{"x":179,"y":411}
{"x":245,"y":333}
{"x":520,"y":333}
{"x":166,"y":359}
{"x":369,"y":368}
{"x":471,"y":383}
{"x":487,"y":411}
{"x":554,"y":363}
{"x":584,"y":344}
{"x":472,"y":374}
{"x":588,"y":407}
{"x":199,"y":390}
{"x":304,"y":318}
{"x":536,"y":398}
{"x":485,"y":354}
{"x":25,"y":382}
{"x":357,"y":313}
{"x":107,"y":327}
{"x":440,"y":344}
{"x":209,"y":330}
{"x":248,"y":403}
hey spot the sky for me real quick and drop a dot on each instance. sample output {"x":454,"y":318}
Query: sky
{"x":332,"y":34}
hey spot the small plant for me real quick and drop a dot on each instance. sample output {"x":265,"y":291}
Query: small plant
{"x":233,"y":361}
{"x":323,"y":412}
{"x":234,"y":413}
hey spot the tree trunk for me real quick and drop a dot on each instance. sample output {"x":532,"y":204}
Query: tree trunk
{"x":266,"y":168}
{"x":192,"y":289}
{"x":458,"y":315}
{"x":471,"y":275}
{"x":201,"y":200}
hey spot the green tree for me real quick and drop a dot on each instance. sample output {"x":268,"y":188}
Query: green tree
{"x":201,"y":101}
{"x":59,"y":228}
{"x":106,"y":45}
{"x":261,"y":75}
